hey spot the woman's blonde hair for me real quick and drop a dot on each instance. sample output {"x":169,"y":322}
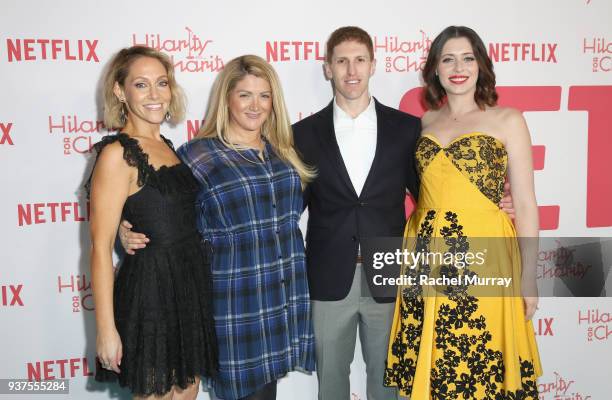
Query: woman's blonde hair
{"x":117,"y":71}
{"x":277,"y":127}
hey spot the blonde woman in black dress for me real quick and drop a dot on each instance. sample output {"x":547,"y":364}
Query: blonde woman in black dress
{"x":155,"y":332}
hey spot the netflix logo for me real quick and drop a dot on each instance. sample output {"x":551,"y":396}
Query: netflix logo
{"x":52,"y":49}
{"x":5,"y":133}
{"x":529,"y":52}
{"x":58,"y":369}
{"x":294,"y":50}
{"x":11,"y":296}
{"x":193,"y":126}
{"x":42,"y":213}
{"x":544,"y":326}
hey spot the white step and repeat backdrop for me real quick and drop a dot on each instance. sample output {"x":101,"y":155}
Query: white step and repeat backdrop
{"x":553,"y":61}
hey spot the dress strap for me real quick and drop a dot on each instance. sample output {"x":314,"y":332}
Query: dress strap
{"x":132,"y":154}
{"x":168,"y":142}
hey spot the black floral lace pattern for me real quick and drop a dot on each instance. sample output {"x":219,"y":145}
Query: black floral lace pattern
{"x":461,"y":351}
{"x":168,"y":179}
{"x":481,"y":158}
{"x":427,"y":149}
{"x":408,"y":338}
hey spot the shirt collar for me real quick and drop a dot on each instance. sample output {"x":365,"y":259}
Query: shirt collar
{"x":369,"y":113}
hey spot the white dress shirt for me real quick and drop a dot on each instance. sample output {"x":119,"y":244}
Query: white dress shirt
{"x":356,"y":138}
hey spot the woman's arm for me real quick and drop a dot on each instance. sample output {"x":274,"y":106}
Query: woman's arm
{"x":110,"y":187}
{"x":520,"y":174}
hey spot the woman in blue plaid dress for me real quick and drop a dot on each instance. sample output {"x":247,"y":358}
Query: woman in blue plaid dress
{"x":249,"y":207}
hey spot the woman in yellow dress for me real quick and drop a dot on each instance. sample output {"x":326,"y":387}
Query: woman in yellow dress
{"x":468,"y":338}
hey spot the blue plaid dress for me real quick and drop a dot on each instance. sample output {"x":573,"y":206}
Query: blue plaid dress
{"x":250,"y":211}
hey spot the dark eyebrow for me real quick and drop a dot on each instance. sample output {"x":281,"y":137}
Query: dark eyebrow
{"x":463,"y":54}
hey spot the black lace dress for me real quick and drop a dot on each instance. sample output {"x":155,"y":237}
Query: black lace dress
{"x":162,"y":294}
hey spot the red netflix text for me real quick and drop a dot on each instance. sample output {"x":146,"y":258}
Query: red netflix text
{"x":5,"y":133}
{"x":193,"y":126}
{"x":11,"y":295}
{"x":51,"y":49}
{"x":41,"y":213}
{"x":293,"y":50}
{"x":531,"y":52}
{"x":58,"y":369}
{"x":543,"y":326}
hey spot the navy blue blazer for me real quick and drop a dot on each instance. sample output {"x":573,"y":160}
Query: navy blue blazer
{"x":338,"y":217}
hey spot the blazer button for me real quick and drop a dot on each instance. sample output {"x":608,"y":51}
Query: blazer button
{"x":354,"y":238}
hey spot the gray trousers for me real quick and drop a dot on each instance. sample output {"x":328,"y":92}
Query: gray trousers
{"x":335,"y":328}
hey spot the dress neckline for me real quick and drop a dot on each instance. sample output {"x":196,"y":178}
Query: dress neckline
{"x":462,"y":136}
{"x":145,"y":156}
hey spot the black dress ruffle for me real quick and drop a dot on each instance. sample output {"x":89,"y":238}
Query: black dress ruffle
{"x":162,"y":294}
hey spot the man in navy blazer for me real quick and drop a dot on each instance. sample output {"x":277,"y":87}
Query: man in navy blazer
{"x":364,"y":155}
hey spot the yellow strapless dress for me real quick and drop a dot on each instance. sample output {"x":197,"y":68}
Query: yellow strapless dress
{"x":461,"y":341}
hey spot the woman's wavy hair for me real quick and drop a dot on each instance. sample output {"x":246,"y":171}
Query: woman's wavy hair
{"x":434,"y":94}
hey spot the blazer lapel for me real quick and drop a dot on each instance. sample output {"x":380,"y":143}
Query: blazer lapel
{"x":382,"y":126}
{"x":330,"y":146}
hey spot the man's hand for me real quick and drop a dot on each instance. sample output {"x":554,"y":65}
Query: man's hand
{"x":506,"y":202}
{"x":131,"y":240}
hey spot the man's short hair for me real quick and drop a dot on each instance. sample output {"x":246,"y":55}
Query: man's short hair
{"x":345,"y":34}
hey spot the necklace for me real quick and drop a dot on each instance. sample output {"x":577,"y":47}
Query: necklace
{"x":263,"y":145}
{"x":458,"y":117}
{"x":246,"y":159}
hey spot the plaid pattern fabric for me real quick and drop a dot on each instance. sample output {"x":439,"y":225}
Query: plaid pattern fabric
{"x":250,"y":209}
